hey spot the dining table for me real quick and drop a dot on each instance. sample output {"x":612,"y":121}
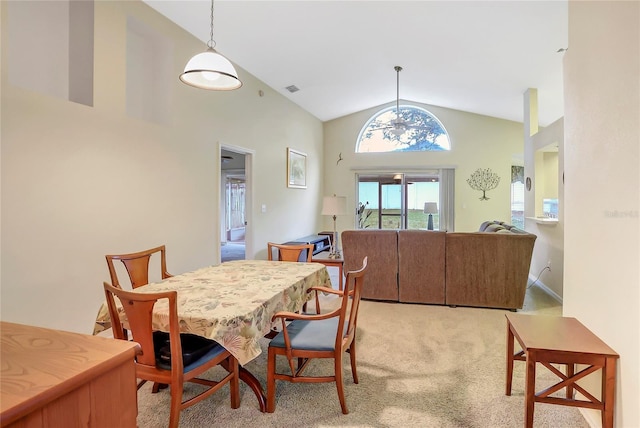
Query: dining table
{"x":233,"y":303}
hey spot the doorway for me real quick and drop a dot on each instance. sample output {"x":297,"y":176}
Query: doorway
{"x":234,"y":202}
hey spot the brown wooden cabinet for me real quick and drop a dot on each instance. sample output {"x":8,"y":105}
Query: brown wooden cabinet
{"x":53,"y":378}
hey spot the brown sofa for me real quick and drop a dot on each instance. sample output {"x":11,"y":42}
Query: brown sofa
{"x":489,"y":268}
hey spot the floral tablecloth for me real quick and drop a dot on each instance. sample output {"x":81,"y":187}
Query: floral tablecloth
{"x":232,"y":303}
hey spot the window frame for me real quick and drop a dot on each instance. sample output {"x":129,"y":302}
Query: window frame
{"x":445,"y":178}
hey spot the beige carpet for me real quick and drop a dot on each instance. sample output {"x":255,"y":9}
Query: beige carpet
{"x":419,"y":366}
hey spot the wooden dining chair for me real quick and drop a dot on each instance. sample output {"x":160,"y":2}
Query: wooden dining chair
{"x":163,"y":357}
{"x":137,"y":265}
{"x":318,"y":336}
{"x":290,"y":252}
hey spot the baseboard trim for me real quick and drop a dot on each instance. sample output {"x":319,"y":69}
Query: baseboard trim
{"x":544,"y":288}
{"x":592,"y":417}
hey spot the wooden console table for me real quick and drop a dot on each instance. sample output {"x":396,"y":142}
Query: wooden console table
{"x":54,"y":378}
{"x":561,"y":340}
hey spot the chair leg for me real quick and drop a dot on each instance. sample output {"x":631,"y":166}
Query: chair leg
{"x":352,"y":356}
{"x":176,"y":403}
{"x":271,"y":382}
{"x":340,"y":383}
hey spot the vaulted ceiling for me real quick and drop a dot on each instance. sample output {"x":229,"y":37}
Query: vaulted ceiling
{"x":476,"y":56}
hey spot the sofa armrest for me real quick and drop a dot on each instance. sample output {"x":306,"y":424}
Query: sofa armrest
{"x":488,"y":269}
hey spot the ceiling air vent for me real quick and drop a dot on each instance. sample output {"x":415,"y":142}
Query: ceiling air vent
{"x":292,"y":88}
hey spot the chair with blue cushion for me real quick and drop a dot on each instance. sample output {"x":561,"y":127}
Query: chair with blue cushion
{"x":137,"y":266}
{"x":164,"y":355}
{"x":308,"y":337}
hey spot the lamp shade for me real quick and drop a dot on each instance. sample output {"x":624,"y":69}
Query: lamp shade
{"x":334,"y":205}
{"x":431,"y":208}
{"x":210,"y":70}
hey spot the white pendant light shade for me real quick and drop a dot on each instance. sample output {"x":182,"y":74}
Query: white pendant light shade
{"x":210,"y":70}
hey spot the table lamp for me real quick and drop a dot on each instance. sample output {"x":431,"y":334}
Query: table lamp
{"x":334,"y":206}
{"x":430,"y":208}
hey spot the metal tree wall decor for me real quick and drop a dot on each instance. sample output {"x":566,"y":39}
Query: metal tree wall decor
{"x":483,"y":180}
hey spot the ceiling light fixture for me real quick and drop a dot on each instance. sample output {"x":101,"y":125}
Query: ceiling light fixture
{"x":210,"y":70}
{"x":398,"y":126}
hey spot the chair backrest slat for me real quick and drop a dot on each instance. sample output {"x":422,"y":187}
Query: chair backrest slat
{"x":138,"y":309}
{"x":138,"y":270}
{"x":350,"y":304}
{"x":137,"y":266}
{"x":290,"y":252}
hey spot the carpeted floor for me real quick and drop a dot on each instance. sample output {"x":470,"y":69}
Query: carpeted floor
{"x":419,"y":366}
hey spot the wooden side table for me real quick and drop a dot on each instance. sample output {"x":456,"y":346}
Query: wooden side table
{"x":561,"y":340}
{"x":338,"y":262}
{"x":61,"y":379}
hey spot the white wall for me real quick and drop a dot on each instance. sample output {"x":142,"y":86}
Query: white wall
{"x":477,"y":142}
{"x":80,"y":182}
{"x":602,"y":186}
{"x":545,"y":171}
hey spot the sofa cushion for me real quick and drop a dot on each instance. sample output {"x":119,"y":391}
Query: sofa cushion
{"x":503,"y":230}
{"x":517,"y":230}
{"x":484,"y":225}
{"x":494,"y":227}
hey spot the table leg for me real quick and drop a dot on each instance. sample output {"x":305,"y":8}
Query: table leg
{"x":247,"y":377}
{"x":509,"y":359}
{"x":530,"y":389}
{"x":340,"y":275}
{"x":570,"y":372}
{"x":234,"y":387}
{"x":608,"y":391}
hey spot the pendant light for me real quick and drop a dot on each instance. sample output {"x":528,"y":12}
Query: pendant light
{"x":210,"y":70}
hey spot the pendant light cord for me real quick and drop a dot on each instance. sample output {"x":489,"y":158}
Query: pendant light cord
{"x":397,"y":94}
{"x":398,"y":70}
{"x":212,"y":43}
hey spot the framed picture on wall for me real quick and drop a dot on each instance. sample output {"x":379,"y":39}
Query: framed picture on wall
{"x":296,"y":169}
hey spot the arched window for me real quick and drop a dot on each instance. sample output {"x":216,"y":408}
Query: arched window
{"x":413,"y":129}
